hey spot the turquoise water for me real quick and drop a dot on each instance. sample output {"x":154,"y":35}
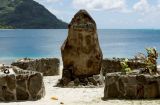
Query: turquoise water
{"x":47,"y":42}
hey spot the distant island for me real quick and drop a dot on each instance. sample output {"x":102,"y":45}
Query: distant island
{"x":27,"y":14}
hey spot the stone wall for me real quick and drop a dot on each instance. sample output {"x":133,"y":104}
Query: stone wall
{"x":113,"y":65}
{"x":47,"y":66}
{"x":132,"y":86}
{"x":21,"y":85}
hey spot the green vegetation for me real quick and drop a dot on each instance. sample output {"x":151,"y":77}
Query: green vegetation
{"x":26,"y":14}
{"x":151,"y":60}
{"x":6,"y":27}
{"x":125,"y":67}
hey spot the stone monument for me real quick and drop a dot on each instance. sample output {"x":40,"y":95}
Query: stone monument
{"x":81,"y":53}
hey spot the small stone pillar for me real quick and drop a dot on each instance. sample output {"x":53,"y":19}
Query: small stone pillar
{"x":81,"y":53}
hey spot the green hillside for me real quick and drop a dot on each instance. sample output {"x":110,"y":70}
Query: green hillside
{"x":27,"y":14}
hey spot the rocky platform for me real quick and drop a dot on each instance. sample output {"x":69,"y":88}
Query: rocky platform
{"x":94,"y":81}
{"x":131,"y":86}
{"x":113,"y":65}
{"x":17,"y":84}
{"x":47,"y":66}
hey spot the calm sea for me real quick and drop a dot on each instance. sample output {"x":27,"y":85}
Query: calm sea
{"x":36,"y":43}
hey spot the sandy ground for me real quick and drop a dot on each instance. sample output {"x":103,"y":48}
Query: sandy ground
{"x":77,"y":96}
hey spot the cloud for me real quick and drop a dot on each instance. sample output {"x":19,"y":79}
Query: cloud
{"x":54,"y":11}
{"x":158,"y":3}
{"x":98,"y":5}
{"x":47,"y":1}
{"x":148,"y":12}
{"x":50,"y":5}
{"x":140,"y":20}
{"x":142,"y":6}
{"x":52,"y":1}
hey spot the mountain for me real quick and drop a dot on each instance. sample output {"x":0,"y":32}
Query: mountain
{"x":27,"y":14}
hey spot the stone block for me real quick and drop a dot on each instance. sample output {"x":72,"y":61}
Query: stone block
{"x":21,"y":84}
{"x":47,"y":66}
{"x":113,"y":65}
{"x":131,"y":86}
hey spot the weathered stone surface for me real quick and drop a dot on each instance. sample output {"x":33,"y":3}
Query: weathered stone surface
{"x":76,"y":82}
{"x":92,"y":80}
{"x":151,"y":90}
{"x":11,"y":82}
{"x":22,"y":94}
{"x":8,"y":96}
{"x":113,"y":65}
{"x":21,"y":85}
{"x":88,"y":82}
{"x":6,"y":89}
{"x":47,"y":66}
{"x":35,"y":85}
{"x":112,"y":90}
{"x":131,"y":86}
{"x":81,"y":53}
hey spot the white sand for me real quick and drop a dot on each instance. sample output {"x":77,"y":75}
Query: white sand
{"x":77,"y":96}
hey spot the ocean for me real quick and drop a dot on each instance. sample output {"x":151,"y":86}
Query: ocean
{"x":38,"y":43}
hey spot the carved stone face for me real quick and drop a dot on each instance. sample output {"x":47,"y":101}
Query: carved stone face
{"x":81,"y":50}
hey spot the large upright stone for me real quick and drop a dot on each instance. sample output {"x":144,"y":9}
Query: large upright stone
{"x":81,"y":53}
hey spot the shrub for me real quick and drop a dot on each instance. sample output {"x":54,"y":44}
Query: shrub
{"x":125,"y":67}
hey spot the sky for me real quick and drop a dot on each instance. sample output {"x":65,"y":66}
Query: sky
{"x":110,"y":14}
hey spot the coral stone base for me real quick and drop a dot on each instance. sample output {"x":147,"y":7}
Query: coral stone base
{"x":131,"y":86}
{"x":21,"y":85}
